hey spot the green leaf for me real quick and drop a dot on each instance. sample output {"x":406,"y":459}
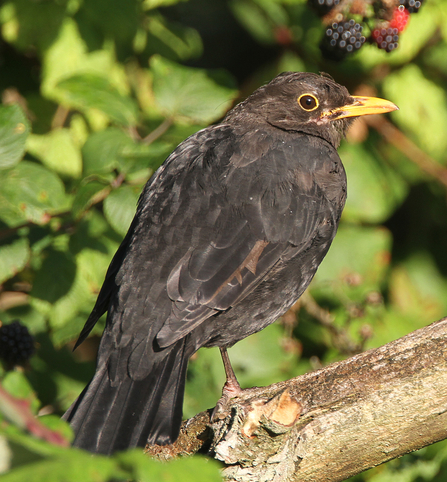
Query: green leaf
{"x":56,"y":424}
{"x":27,"y":449}
{"x":185,"y":469}
{"x":150,"y":4}
{"x":55,"y":277}
{"x":102,"y":150}
{"x":85,"y":195}
{"x":363,"y":251}
{"x":57,"y":151}
{"x":418,"y":289}
{"x":374,"y":189}
{"x":74,"y":306}
{"x":70,"y":466}
{"x":259,"y":17}
{"x":86,"y":91}
{"x":119,"y":208}
{"x":111,"y":148}
{"x":18,"y":385}
{"x":75,"y":465}
{"x":205,"y":376}
{"x":103,"y":22}
{"x":70,"y":55}
{"x":14,"y":129}
{"x":417,"y":114}
{"x":13,"y":258}
{"x":30,"y":192}
{"x":193,"y":94}
{"x":139,"y":156}
{"x":260,"y":358}
{"x":70,"y":330}
{"x":35,"y":24}
{"x":172,"y":39}
{"x":79,"y":297}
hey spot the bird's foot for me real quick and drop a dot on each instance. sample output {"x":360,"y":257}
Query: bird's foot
{"x":230,"y":390}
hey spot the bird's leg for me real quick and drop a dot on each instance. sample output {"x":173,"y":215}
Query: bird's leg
{"x":229,"y":390}
{"x":231,"y":387}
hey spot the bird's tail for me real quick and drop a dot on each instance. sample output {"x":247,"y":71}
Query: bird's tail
{"x":107,"y":418}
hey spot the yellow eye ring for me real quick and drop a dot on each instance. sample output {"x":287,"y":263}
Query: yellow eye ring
{"x":308,"y":102}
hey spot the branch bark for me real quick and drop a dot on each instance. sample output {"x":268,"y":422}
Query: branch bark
{"x":333,"y":423}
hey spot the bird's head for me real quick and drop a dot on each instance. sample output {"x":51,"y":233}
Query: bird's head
{"x":308,"y":103}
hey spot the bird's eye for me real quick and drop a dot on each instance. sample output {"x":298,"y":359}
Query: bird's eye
{"x":308,"y":102}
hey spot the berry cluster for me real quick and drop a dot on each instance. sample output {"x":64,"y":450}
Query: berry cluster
{"x":387,"y":35}
{"x":345,"y":21}
{"x":16,"y":344}
{"x":343,"y":38}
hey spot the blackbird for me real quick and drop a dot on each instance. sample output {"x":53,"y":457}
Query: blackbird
{"x":228,"y":234}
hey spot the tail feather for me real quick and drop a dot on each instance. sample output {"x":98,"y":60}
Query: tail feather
{"x":107,"y":418}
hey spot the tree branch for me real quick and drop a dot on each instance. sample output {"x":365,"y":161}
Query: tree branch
{"x":332,"y":423}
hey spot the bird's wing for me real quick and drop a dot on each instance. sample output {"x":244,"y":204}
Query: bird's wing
{"x":269,"y":201}
{"x":210,"y":224}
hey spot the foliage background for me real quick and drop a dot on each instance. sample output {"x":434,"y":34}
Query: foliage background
{"x":95,"y":94}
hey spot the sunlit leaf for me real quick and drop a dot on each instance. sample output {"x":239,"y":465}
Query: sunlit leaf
{"x":18,"y":385}
{"x":14,"y":129}
{"x":71,"y":467}
{"x":195,"y":94}
{"x":119,"y":208}
{"x":102,"y":150}
{"x":150,"y":4}
{"x":374,"y":189}
{"x":187,"y":469}
{"x":418,"y":114}
{"x":357,"y":250}
{"x":57,"y":151}
{"x":13,"y":258}
{"x":87,"y":91}
{"x":30,"y":192}
{"x":168,"y":39}
{"x":85,"y":196}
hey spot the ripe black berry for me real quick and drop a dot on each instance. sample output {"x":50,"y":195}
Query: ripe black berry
{"x":323,"y":6}
{"x":342,"y":38}
{"x":386,"y":38}
{"x":412,"y":6}
{"x":16,"y":344}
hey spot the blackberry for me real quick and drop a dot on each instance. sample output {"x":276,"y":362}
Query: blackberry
{"x":16,"y":344}
{"x":342,"y":38}
{"x":412,"y":6}
{"x":322,"y":7}
{"x":386,"y":38}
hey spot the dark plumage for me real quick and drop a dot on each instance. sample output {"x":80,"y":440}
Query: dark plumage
{"x":227,"y":235}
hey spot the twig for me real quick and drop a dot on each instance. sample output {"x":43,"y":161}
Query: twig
{"x":158,"y":131}
{"x":59,"y":118}
{"x":340,"y":336}
{"x":316,"y":311}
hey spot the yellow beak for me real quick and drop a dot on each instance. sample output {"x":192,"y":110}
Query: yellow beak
{"x":360,"y":106}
